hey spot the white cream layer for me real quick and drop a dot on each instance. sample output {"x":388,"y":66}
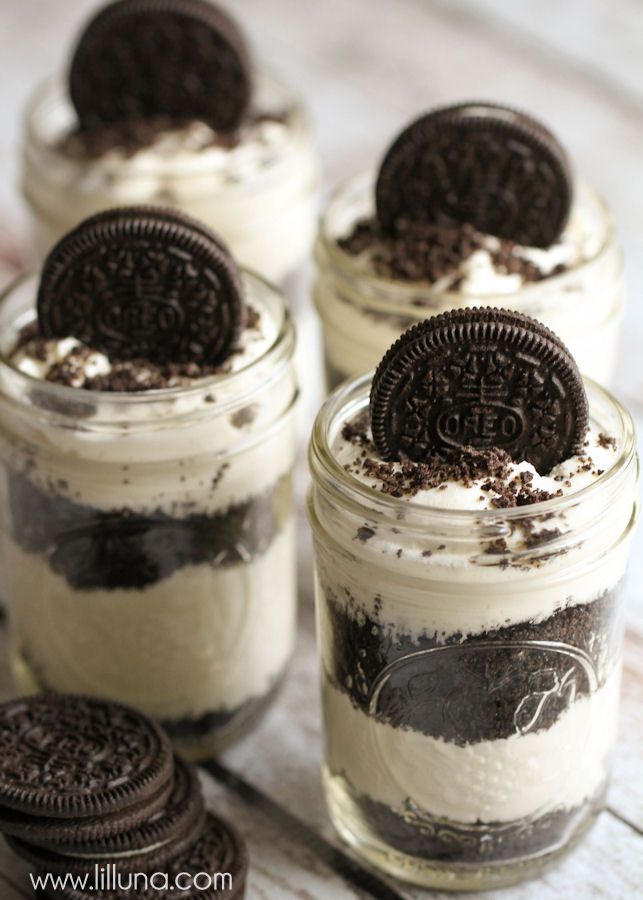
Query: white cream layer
{"x":504,"y":780}
{"x":202,"y":640}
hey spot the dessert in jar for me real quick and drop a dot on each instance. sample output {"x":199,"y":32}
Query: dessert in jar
{"x":472,"y":507}
{"x":147,"y":393}
{"x":474,"y":203}
{"x":163,"y":105}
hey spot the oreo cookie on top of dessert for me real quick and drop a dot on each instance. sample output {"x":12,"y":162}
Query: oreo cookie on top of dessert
{"x":147,"y":449}
{"x":162,"y":104}
{"x":472,"y":505}
{"x":474,"y":202}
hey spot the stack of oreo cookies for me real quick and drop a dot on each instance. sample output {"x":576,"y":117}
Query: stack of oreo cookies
{"x":91,"y":790}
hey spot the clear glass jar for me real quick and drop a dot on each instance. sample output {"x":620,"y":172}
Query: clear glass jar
{"x":266,"y":211}
{"x":362,"y":314}
{"x":470,"y":664}
{"x":148,"y":538}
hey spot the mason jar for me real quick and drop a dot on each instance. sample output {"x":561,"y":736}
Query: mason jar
{"x":470,"y":663}
{"x":362,"y":313}
{"x":148,"y":538}
{"x":260,"y":197}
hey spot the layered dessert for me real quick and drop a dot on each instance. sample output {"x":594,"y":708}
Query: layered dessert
{"x":469,"y":604}
{"x":215,"y":138}
{"x":380,"y":272}
{"x":147,"y":508}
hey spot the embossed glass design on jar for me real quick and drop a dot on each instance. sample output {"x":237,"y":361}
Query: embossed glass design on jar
{"x":362,"y":314}
{"x":148,"y":538}
{"x":261,"y":196}
{"x":470,"y":663}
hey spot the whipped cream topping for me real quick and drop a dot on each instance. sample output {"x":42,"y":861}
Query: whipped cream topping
{"x":487,"y":482}
{"x":68,"y":361}
{"x":468,"y":262}
{"x":259,"y":143}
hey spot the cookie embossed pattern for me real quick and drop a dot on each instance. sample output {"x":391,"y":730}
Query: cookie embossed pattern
{"x":148,"y":522}
{"x":472,"y":203}
{"x":469,"y":596}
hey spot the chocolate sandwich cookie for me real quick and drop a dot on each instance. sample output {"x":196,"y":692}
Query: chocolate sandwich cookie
{"x":218,"y":850}
{"x":143,"y":283}
{"x":48,"y":831}
{"x":482,"y":378}
{"x":168,"y":61}
{"x":481,"y":164}
{"x":70,"y":756}
{"x":178,"y":819}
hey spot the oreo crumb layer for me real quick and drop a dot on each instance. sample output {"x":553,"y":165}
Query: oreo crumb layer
{"x":129,"y":138}
{"x":465,"y":465}
{"x":125,"y":376}
{"x":440,"y":840}
{"x":191,"y":731}
{"x":605,"y":441}
{"x":479,"y":687}
{"x":419,"y":251}
{"x":124,"y":548}
{"x":364,"y":533}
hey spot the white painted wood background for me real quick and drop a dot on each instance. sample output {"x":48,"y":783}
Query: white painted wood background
{"x":368,"y":66}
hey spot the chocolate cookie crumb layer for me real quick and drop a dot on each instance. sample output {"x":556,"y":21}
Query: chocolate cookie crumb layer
{"x":505,"y":679}
{"x":419,"y":251}
{"x":465,"y":465}
{"x":123,"y":548}
{"x":420,"y":835}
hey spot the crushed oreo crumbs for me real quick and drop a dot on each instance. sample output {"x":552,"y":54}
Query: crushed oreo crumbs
{"x":420,"y":251}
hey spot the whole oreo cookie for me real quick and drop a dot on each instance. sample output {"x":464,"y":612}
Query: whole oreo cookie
{"x":179,"y":818}
{"x":482,"y":378}
{"x":141,"y":282}
{"x":218,"y":849}
{"x":169,"y":60}
{"x":69,"y":756}
{"x":489,"y":166}
{"x":57,"y":832}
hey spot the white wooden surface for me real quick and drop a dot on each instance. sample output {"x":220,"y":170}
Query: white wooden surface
{"x":366,"y":67}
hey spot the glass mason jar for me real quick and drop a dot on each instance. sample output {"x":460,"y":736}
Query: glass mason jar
{"x":148,"y":539}
{"x":362,"y":313}
{"x":470,"y":664}
{"x":265,"y":210}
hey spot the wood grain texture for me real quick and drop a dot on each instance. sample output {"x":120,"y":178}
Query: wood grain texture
{"x":366,"y":67}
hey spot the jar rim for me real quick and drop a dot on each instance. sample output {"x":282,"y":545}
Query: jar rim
{"x":385,"y":293}
{"x":352,"y":396}
{"x":273,"y":359}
